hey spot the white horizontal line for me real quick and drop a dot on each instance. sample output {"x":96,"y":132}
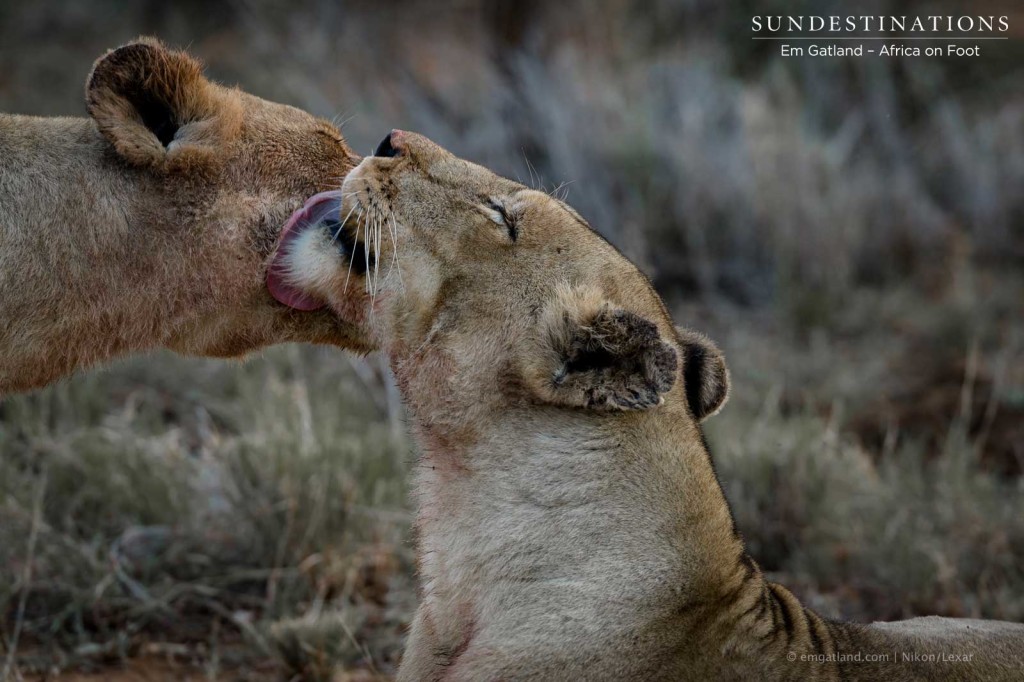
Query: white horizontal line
{"x":881,"y":38}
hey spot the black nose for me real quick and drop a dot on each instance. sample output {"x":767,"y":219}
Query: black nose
{"x":385,"y":148}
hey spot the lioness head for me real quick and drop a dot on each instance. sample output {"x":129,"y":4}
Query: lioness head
{"x":222,"y":171}
{"x":470,"y":280}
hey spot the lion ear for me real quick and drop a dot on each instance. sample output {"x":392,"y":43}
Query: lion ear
{"x":705,"y":376}
{"x":157,"y":109}
{"x":599,"y":356}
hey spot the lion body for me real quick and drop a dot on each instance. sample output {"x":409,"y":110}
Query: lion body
{"x":570,"y":522}
{"x":579,"y":548}
{"x":109,"y":246}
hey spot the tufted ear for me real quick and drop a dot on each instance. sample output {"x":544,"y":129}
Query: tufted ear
{"x":595,"y":355}
{"x":705,"y":376}
{"x":157,"y":109}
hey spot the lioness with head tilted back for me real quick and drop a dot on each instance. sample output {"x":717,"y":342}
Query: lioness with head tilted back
{"x":570,"y":523}
{"x":152,"y":223}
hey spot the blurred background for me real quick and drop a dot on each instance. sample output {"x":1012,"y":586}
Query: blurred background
{"x":850,"y":231}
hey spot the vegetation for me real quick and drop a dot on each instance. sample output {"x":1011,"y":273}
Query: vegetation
{"x":850,"y":231}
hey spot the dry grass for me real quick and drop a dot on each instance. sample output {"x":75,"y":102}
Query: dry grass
{"x":176,"y":495}
{"x":849,"y":232}
{"x":921,"y":525}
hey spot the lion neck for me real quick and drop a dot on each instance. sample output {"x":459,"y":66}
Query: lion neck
{"x":624,"y":507}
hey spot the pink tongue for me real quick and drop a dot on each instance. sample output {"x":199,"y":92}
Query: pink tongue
{"x":315,"y":210}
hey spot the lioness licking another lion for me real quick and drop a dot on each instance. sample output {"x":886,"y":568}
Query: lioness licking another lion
{"x":570,"y":524}
{"x":151,"y":224}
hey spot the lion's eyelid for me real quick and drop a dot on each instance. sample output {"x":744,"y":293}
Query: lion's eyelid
{"x":497,"y":212}
{"x":494,"y":213}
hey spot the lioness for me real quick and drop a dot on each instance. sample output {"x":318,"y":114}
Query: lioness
{"x":152,"y":222}
{"x":570,"y":524}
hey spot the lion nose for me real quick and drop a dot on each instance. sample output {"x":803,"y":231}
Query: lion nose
{"x":390,"y":146}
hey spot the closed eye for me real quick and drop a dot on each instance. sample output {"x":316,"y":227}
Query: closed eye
{"x":331,"y":133}
{"x":497,"y":212}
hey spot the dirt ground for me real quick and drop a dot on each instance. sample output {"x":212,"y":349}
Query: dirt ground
{"x":157,"y":669}
{"x":156,"y":662}
{"x":164,"y":668}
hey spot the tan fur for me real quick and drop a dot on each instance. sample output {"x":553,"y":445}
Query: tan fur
{"x":113,"y":243}
{"x":559,"y":539}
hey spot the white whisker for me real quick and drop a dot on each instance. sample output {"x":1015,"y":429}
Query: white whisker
{"x":562,"y":187}
{"x":342,"y":226}
{"x":393,"y":231}
{"x":366,"y":252}
{"x":352,"y":256}
{"x":376,"y":252}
